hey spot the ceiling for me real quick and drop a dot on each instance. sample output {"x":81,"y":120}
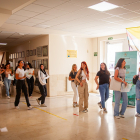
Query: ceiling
{"x":69,"y":17}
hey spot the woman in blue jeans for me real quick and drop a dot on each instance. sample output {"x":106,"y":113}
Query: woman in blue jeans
{"x":103,"y":85}
{"x":7,"y":82}
{"x":119,"y":76}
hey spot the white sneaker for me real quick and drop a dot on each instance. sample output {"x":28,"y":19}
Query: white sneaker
{"x":43,"y":105}
{"x":8,"y":97}
{"x":38,"y":101}
{"x":137,"y":115}
{"x":100,"y":105}
{"x":86,"y":110}
{"x":16,"y":107}
{"x":122,"y":116}
{"x":105,"y":110}
{"x":117,"y":117}
{"x":30,"y":107}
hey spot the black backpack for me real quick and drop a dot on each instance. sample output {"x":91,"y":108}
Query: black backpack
{"x":135,"y":80}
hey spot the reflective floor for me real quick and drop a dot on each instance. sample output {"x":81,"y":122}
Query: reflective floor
{"x":60,"y":121}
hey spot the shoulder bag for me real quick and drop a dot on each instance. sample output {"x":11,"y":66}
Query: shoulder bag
{"x":79,"y":77}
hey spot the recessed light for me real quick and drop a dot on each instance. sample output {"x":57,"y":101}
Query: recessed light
{"x":3,"y":43}
{"x":103,"y":6}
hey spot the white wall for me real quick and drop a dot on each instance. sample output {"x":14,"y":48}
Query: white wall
{"x":60,"y":65}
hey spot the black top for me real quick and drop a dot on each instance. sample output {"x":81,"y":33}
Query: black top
{"x":103,"y":77}
{"x":73,"y":75}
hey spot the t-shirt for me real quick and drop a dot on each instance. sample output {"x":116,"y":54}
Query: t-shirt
{"x":103,"y":77}
{"x":73,"y":75}
{"x":122,"y":72}
{"x":21,"y":72}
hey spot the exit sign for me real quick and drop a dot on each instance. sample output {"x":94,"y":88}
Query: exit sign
{"x":110,"y":38}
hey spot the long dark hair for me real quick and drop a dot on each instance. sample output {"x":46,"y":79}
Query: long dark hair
{"x":106,"y":70}
{"x":43,"y":69}
{"x":119,"y":63}
{"x":30,"y":65}
{"x":18,"y":65}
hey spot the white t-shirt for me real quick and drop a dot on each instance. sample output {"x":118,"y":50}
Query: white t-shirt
{"x":42,"y":77}
{"x":29,"y":72}
{"x":83,"y":75}
{"x":21,"y":72}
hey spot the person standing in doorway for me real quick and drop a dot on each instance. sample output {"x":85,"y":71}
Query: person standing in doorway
{"x":72,"y":76}
{"x":103,"y":85}
{"x":29,"y":78}
{"x":83,"y":87}
{"x":42,"y":75}
{"x":119,"y":76}
{"x":20,"y":85}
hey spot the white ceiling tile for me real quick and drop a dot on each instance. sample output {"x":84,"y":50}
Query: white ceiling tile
{"x":118,"y":11}
{"x":113,"y":19}
{"x":137,"y":19}
{"x":36,"y":8}
{"x":50,"y":3}
{"x":26,"y":13}
{"x":11,"y":21}
{"x":55,"y":12}
{"x":44,"y":17}
{"x":134,"y":6}
{"x":69,"y":7}
{"x":130,"y":15}
{"x":34,"y":20}
{"x":121,"y":2}
{"x":86,"y":3}
{"x":27,"y":23}
{"x":42,"y":26}
{"x":16,"y":17}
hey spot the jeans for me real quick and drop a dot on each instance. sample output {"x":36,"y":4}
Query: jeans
{"x":138,"y":96}
{"x":7,"y":84}
{"x":30,"y":83}
{"x":74,"y":87}
{"x":104,"y":92}
{"x":118,"y":96}
{"x":43,"y":91}
{"x":21,"y":85}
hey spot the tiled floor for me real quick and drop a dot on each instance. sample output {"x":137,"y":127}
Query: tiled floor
{"x":57,"y":122}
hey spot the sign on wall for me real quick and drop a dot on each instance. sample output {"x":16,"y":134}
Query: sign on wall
{"x":131,"y":59}
{"x":71,"y":53}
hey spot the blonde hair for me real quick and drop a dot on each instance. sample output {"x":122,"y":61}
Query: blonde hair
{"x":73,"y":68}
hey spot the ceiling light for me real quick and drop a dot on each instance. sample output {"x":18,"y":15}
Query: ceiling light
{"x":3,"y":43}
{"x":103,"y":6}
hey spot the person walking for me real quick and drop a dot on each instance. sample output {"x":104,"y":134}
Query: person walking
{"x":72,"y":76}
{"x":7,"y":82}
{"x":42,"y":75}
{"x":83,"y":87}
{"x":119,"y":76}
{"x":20,"y":85}
{"x":103,"y":85}
{"x":29,"y":78}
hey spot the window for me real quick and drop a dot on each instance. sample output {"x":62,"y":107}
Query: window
{"x":111,"y":49}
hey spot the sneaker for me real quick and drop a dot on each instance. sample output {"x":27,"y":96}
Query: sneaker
{"x":117,"y":117}
{"x":30,"y":107}
{"x":8,"y":97}
{"x":38,"y":101}
{"x":137,"y":115}
{"x":122,"y":116}
{"x":105,"y":110}
{"x":16,"y":107}
{"x":100,"y":105}
{"x":86,"y":110}
{"x":43,"y":105}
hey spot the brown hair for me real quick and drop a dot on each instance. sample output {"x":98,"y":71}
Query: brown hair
{"x":106,"y":70}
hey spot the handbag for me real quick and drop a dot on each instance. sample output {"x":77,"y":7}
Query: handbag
{"x":135,"y":80}
{"x":115,"y":85}
{"x":80,"y":78}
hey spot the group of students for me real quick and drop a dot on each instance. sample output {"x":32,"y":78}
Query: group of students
{"x":103,"y":85}
{"x":22,"y":76}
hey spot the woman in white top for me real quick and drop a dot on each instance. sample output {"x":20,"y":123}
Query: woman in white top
{"x":83,"y":87}
{"x":42,"y":75}
{"x":20,"y":85}
{"x":29,"y":78}
{"x":7,"y":82}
